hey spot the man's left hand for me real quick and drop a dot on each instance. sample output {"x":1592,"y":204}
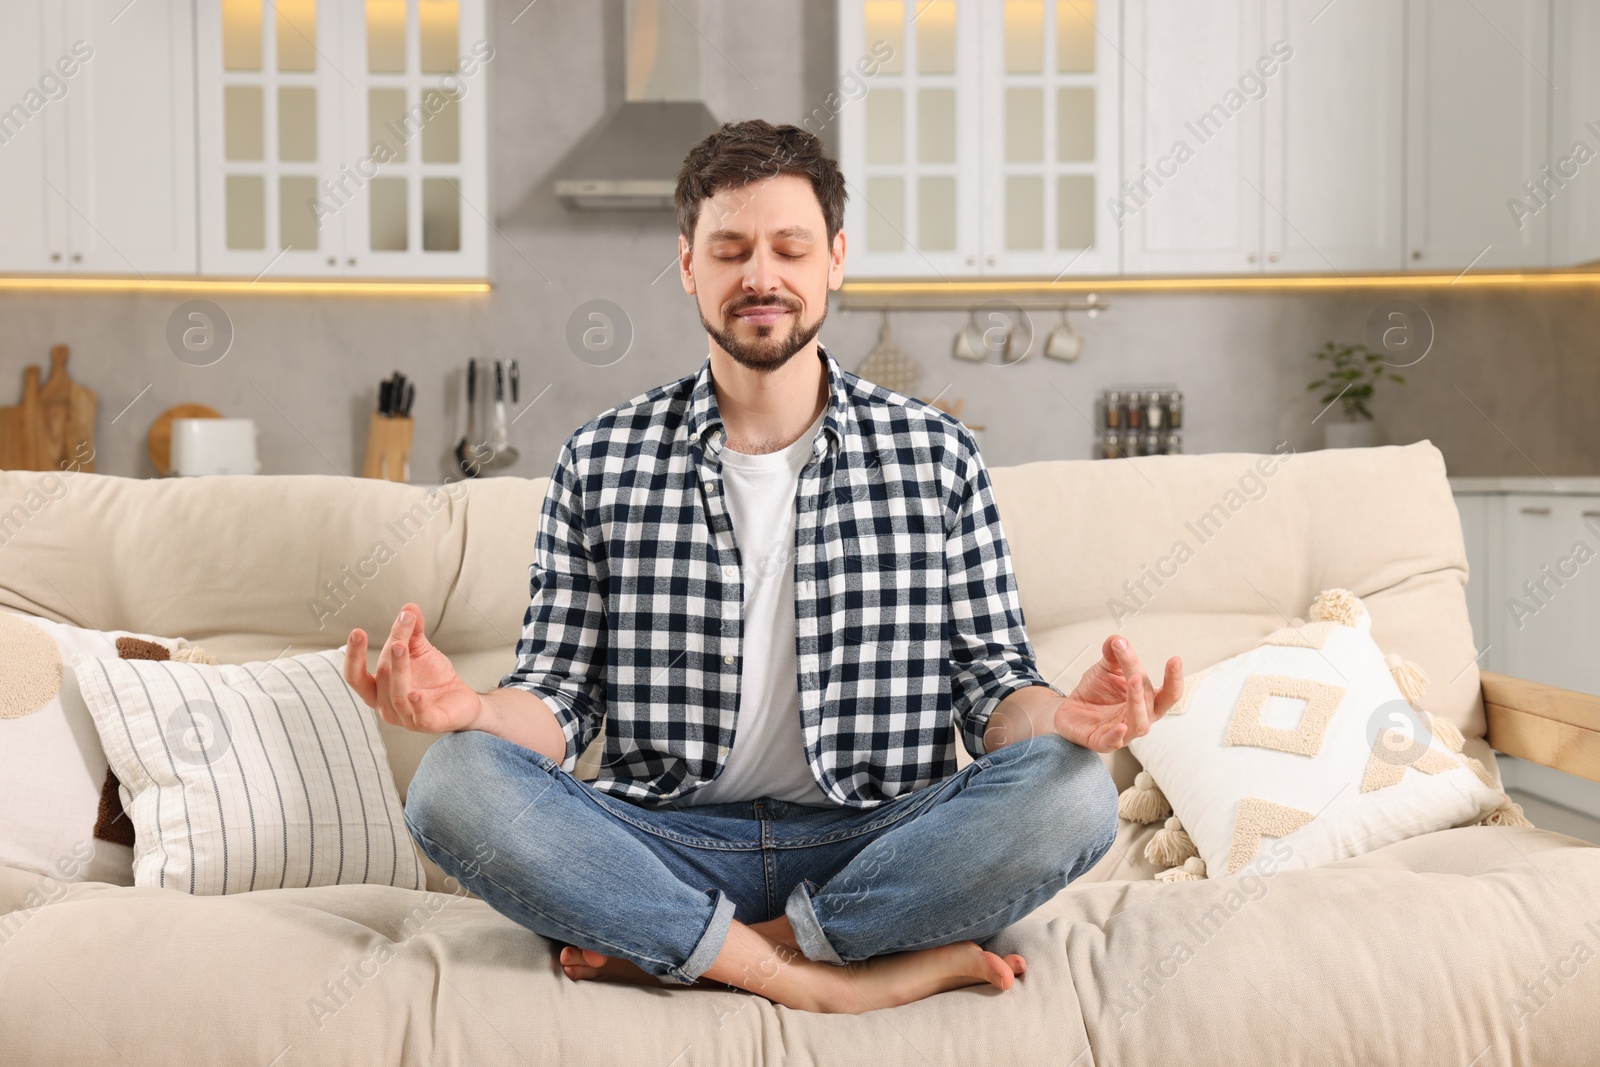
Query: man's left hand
{"x":1114,"y":701}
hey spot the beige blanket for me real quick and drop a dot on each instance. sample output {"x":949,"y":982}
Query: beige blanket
{"x":1478,"y":945}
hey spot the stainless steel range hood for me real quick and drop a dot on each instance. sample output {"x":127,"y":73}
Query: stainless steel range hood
{"x":632,"y":158}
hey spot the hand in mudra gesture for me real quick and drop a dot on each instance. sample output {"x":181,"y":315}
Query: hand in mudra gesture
{"x":1114,"y":701}
{"x":415,"y":687}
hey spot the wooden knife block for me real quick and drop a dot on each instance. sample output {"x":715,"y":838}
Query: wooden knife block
{"x":388,"y":447}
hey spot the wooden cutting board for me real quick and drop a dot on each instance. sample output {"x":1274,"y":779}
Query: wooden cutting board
{"x":53,"y":427}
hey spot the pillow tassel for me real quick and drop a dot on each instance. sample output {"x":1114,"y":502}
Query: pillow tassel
{"x":1142,"y":801}
{"x":1410,"y":677}
{"x":1193,"y":870}
{"x":1171,"y":845}
{"x":1509,"y":813}
{"x":1336,"y":605}
{"x":194,"y":654}
{"x":1447,"y":731}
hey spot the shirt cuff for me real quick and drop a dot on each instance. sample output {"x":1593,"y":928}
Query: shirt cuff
{"x":976,"y":722}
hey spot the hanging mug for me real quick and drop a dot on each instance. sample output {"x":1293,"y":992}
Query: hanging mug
{"x":1064,"y":343}
{"x":970,"y":340}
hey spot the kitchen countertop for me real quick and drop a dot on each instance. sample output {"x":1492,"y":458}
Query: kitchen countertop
{"x":1568,"y":486}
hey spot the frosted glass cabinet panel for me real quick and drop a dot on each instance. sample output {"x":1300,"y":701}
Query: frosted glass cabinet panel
{"x":983,"y":137}
{"x":343,"y":139}
{"x":909,"y":140}
{"x":1050,"y":132}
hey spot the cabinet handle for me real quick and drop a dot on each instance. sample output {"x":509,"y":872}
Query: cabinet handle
{"x":352,"y":261}
{"x":1251,"y":257}
{"x":989,"y":260}
{"x":1272,"y":257}
{"x":333,"y":261}
{"x":77,"y":257}
{"x":55,"y":257}
{"x":1591,"y":514}
{"x":1416,"y":253}
{"x":1536,"y":511}
{"x":972,"y":261}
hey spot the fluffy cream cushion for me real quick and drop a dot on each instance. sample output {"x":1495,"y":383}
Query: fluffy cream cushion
{"x":1316,"y":740}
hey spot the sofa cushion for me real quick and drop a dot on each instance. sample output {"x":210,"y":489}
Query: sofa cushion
{"x":1367,"y":961}
{"x":250,"y":777}
{"x":337,"y":553}
{"x":1201,"y":556}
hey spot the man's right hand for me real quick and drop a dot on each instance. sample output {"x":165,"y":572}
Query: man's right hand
{"x":415,"y":687}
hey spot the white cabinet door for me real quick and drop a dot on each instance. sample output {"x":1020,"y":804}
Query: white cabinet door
{"x":269,"y":121}
{"x":130,"y":139}
{"x":33,"y":183}
{"x":1333,"y":155}
{"x":1569,"y":189}
{"x":1551,"y":580}
{"x":415,"y":138}
{"x":1051,"y":110}
{"x":909,"y":146}
{"x":1190,"y":200}
{"x":343,"y":140}
{"x":1478,"y":104}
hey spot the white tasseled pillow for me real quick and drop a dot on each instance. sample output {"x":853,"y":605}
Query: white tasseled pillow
{"x":1314,"y":740}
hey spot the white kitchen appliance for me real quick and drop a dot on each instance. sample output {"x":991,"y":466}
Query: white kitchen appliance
{"x":214,"y":446}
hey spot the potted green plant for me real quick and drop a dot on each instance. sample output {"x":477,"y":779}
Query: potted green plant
{"x":1351,"y":376}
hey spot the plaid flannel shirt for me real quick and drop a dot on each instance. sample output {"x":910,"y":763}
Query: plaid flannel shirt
{"x":908,"y":626}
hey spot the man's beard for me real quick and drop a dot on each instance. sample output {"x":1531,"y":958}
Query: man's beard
{"x":765,"y":352}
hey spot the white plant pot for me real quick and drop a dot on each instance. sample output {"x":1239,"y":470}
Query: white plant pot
{"x":1358,"y":434}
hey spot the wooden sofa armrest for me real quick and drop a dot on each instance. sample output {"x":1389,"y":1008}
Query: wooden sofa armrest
{"x":1554,"y":727}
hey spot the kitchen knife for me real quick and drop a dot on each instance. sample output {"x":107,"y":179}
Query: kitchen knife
{"x":385,"y":396}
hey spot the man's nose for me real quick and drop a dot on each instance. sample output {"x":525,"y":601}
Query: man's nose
{"x":761,"y":272}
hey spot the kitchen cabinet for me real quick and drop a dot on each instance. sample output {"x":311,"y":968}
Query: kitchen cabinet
{"x":1253,"y":145}
{"x":1533,"y":587}
{"x":343,"y":140}
{"x":1256,"y":137}
{"x":1332,"y":144}
{"x":1567,"y":189}
{"x":1192,"y":199}
{"x":1478,"y":106}
{"x":985,"y":140}
{"x":96,"y":140}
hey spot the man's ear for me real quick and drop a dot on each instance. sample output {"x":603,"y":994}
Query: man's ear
{"x":686,"y":264}
{"x":836,"y":262}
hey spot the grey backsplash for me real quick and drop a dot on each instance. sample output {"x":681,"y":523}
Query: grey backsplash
{"x":1509,"y":387}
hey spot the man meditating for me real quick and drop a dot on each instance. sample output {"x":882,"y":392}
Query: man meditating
{"x":783,"y":592}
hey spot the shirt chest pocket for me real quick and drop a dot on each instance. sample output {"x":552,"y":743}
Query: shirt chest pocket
{"x":893,"y":595}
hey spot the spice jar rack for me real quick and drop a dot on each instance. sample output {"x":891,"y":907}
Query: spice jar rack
{"x":1138,"y":420}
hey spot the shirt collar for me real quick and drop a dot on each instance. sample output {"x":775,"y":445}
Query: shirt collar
{"x":705,"y":421}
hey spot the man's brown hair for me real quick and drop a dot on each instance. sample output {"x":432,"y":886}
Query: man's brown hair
{"x":741,"y":152}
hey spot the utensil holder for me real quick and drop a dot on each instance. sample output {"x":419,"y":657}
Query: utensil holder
{"x":388,"y":447}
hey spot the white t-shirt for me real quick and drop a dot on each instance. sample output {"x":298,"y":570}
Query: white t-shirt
{"x":768,"y":757}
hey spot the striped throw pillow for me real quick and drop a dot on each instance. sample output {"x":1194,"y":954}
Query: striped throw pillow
{"x":266,"y":775}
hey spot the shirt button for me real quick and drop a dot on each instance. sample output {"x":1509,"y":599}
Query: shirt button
{"x":728,"y":660}
{"x":729,"y":572}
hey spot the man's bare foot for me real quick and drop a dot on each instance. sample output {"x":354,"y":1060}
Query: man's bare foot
{"x":583,"y":963}
{"x":580,"y":964}
{"x":905,"y":977}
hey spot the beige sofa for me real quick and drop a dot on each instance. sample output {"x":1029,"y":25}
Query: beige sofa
{"x":1459,"y":947}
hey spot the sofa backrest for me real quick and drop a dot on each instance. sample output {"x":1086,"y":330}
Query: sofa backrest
{"x":1195,"y":556}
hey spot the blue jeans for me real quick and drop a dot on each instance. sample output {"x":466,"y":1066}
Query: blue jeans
{"x":955,"y":861}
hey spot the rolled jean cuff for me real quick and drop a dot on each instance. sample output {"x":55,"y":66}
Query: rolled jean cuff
{"x":709,"y":946}
{"x":807,"y":930}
